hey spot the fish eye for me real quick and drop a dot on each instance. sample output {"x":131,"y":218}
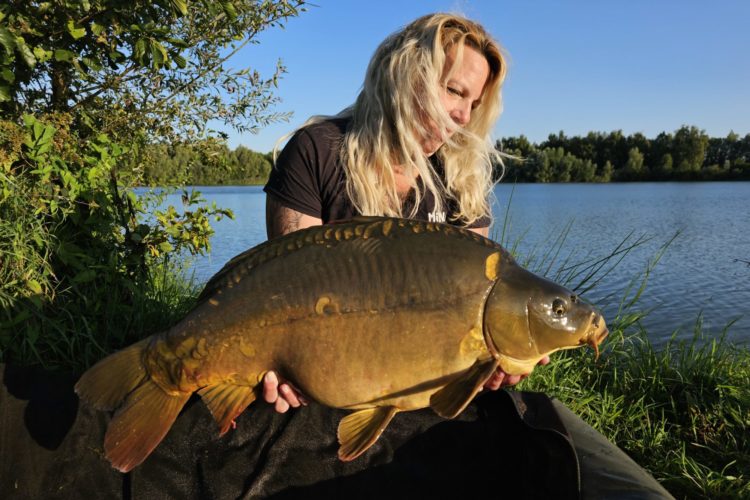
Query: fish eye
{"x":558,"y":307}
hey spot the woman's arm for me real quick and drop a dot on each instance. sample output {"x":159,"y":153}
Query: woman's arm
{"x":281,"y":220}
{"x":483,"y":231}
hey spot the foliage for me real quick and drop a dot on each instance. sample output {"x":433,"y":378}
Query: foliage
{"x":131,"y":67}
{"x":688,"y":154}
{"x":79,"y":253}
{"x":204,"y":163}
{"x":86,"y":89}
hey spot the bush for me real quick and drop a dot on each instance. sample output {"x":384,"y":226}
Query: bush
{"x":83,"y":259}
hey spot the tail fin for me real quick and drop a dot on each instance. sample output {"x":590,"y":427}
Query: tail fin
{"x":106,"y":385}
{"x":145,"y":412}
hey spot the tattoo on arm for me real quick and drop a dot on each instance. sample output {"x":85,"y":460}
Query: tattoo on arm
{"x":281,"y":220}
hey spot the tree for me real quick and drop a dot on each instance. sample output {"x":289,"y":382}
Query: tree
{"x":666,"y":166}
{"x":583,"y":171}
{"x":129,"y":67}
{"x":519,"y":146}
{"x":689,"y":150}
{"x":634,"y":169}
{"x":538,"y":167}
{"x":605,"y":175}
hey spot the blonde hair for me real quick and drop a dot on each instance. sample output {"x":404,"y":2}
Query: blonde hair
{"x":402,"y":82}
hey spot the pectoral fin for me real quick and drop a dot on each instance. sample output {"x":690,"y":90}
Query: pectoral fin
{"x":226,"y":401}
{"x":359,"y":430}
{"x":453,"y":398}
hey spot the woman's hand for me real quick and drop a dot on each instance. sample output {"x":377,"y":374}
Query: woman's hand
{"x":501,"y":379}
{"x":281,"y":394}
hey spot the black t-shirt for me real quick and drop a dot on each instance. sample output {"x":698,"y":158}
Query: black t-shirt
{"x":308,"y":177}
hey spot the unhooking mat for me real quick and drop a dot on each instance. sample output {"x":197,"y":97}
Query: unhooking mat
{"x":504,"y":445}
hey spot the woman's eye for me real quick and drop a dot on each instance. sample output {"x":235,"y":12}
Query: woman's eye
{"x":558,"y":307}
{"x":453,"y":91}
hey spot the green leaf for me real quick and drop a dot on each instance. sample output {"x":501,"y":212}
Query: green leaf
{"x":178,"y":42}
{"x":92,"y":63}
{"x":34,"y":286}
{"x":4,"y":93}
{"x":116,"y":55}
{"x":38,"y":128}
{"x":179,"y":60}
{"x":230,"y":10}
{"x":139,"y":50}
{"x":26,"y":54}
{"x":64,"y":55}
{"x":8,"y":75}
{"x":77,"y":65}
{"x":158,"y":54}
{"x":84,"y":276}
{"x":165,"y":247}
{"x":97,"y":29}
{"x":42,"y":55}
{"x":49,"y":131}
{"x":179,"y":6}
{"x":7,"y":40}
{"x":76,"y":31}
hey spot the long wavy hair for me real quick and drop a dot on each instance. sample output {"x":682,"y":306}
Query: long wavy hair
{"x":403,"y":81}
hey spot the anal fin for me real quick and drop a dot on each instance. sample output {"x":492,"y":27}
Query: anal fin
{"x":453,"y":398}
{"x":359,"y":430}
{"x":226,"y":402}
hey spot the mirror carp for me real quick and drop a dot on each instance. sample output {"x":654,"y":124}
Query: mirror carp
{"x":377,"y":315}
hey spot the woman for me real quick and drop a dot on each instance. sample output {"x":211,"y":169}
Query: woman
{"x":416,"y":143}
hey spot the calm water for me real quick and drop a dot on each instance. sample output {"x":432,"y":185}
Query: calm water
{"x":702,"y":271}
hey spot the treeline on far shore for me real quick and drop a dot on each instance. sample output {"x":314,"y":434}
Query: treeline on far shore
{"x":206,"y":163}
{"x":688,"y":154}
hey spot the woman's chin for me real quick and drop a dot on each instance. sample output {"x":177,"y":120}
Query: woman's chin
{"x":431,"y":148}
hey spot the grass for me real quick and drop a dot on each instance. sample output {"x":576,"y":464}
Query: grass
{"x":682,"y":411}
{"x":79,"y":331}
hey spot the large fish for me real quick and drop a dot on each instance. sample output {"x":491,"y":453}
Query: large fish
{"x":375,"y":315}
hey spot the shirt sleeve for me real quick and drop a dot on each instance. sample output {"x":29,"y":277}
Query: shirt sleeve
{"x":294,"y":179}
{"x":481,"y":222}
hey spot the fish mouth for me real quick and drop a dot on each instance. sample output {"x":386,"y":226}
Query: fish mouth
{"x":598,"y":331}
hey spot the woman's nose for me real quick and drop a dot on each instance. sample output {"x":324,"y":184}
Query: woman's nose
{"x":461,"y":114}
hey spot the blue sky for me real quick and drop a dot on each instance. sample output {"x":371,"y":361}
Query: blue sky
{"x":639,"y":65}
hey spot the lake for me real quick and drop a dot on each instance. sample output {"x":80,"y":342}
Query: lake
{"x":704,"y":271}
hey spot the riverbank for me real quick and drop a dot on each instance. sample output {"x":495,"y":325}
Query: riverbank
{"x":681,"y":411}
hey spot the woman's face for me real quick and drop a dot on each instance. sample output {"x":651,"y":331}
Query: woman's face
{"x":460,"y":94}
